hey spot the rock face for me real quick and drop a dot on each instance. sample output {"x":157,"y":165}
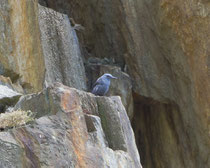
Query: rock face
{"x":162,"y":45}
{"x":33,"y":59}
{"x":69,"y":133}
{"x":61,"y":50}
{"x":165,"y":46}
{"x":169,"y":71}
{"x":20,"y":46}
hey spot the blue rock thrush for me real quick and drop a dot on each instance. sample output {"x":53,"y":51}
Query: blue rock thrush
{"x":101,"y":86}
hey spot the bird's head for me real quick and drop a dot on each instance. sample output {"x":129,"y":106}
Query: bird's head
{"x":109,"y":76}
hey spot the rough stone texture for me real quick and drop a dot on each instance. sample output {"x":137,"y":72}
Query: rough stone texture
{"x":122,"y":86}
{"x":34,"y":62}
{"x":68,"y":136}
{"x":115,"y":124}
{"x":61,"y":50}
{"x":6,"y":81}
{"x":20,"y":47}
{"x":165,"y":45}
{"x":102,"y":20}
{"x":8,"y":97}
{"x":10,"y":146}
{"x":172,"y":68}
{"x":8,"y":93}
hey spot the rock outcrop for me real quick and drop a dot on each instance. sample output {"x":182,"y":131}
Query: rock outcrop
{"x":61,"y":50}
{"x":70,"y":132}
{"x":38,"y":47}
{"x":165,"y":47}
{"x":160,"y":49}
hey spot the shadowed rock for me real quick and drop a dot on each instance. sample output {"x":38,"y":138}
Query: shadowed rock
{"x":8,"y":95}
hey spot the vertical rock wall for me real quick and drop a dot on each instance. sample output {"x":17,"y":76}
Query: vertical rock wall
{"x":38,"y":47}
{"x":61,"y":50}
{"x":21,"y":52}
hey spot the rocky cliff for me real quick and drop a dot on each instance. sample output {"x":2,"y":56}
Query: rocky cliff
{"x":57,"y":126}
{"x":158,"y":49}
{"x":72,"y":129}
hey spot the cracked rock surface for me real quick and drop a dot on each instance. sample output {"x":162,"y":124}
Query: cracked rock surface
{"x":71,"y":132}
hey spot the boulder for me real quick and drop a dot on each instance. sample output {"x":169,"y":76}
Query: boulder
{"x":8,"y":94}
{"x":65,"y":135}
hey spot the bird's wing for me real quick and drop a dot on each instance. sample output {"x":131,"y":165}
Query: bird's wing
{"x":95,"y":89}
{"x":98,"y":82}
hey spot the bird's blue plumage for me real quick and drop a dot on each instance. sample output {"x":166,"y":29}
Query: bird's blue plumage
{"x":102,"y":84}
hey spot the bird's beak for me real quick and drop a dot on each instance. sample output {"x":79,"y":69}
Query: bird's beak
{"x":114,"y":77}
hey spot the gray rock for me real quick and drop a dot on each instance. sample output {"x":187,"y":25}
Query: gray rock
{"x":8,"y":96}
{"x":61,"y":49}
{"x":116,"y":126}
{"x":68,"y":136}
{"x":10,"y":151}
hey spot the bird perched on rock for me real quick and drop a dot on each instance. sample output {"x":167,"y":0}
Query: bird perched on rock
{"x":101,"y":86}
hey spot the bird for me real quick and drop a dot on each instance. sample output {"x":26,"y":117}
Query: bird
{"x":101,"y":86}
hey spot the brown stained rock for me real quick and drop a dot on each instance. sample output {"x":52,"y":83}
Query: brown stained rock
{"x":36,"y":59}
{"x":20,"y":52}
{"x":70,"y":104}
{"x":172,"y":69}
{"x":63,"y":135}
